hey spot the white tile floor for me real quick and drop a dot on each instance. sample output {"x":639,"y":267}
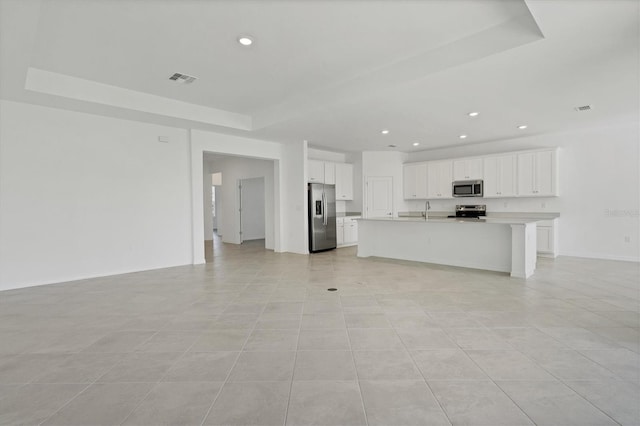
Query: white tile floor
{"x":255,"y":338}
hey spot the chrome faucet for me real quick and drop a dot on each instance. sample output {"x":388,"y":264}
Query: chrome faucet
{"x":427,"y":206}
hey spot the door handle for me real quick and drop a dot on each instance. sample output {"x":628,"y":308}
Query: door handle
{"x":324,"y":210}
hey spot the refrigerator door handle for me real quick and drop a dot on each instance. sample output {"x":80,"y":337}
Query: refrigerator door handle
{"x":324,"y":209}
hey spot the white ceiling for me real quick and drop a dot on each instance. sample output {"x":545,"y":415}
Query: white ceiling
{"x":334,"y":73}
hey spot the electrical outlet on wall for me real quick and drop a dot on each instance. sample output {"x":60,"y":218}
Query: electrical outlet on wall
{"x":543,"y":205}
{"x":505,"y":205}
{"x":627,"y":239}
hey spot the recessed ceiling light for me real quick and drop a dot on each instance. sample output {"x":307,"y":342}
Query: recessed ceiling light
{"x":463,"y":136}
{"x":416,"y":143}
{"x":473,"y":114}
{"x":385,"y":132}
{"x":245,"y":40}
{"x":522,"y":127}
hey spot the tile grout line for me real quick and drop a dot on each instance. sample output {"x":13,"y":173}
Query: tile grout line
{"x":94,"y":382}
{"x":233,"y":366}
{"x":353,"y":360}
{"x":295,"y":360}
{"x":424,"y":378}
{"x":157,"y":382}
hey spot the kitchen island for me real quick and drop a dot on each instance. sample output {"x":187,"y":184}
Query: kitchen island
{"x":494,"y":244}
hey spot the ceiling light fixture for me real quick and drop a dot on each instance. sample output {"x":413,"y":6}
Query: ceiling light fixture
{"x":385,"y":132}
{"x":473,"y":114}
{"x":245,"y":40}
{"x":463,"y":136}
{"x":416,"y":143}
{"x":522,"y":127}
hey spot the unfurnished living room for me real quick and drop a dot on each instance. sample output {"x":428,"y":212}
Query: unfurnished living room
{"x":320,"y":212}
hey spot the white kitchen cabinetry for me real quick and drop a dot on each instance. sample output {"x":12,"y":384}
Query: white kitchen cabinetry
{"x":344,"y":181}
{"x":537,"y":174}
{"x":347,"y":231}
{"x":439,"y":179}
{"x":414,"y":181}
{"x":316,"y":171}
{"x":329,"y":173}
{"x":467,"y":169}
{"x":547,"y":238}
{"x":500,"y":176}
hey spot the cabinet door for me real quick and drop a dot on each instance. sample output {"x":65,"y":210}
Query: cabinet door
{"x":537,"y":174}
{"x":475,"y":169}
{"x":353,"y":231}
{"x":409,"y":181}
{"x":507,"y":176}
{"x":526,"y":174}
{"x":414,"y":183}
{"x":470,"y":168}
{"x":316,"y":171}
{"x":348,"y":231}
{"x":344,"y":181}
{"x":439,"y":178}
{"x":545,"y":173}
{"x":339,"y":232}
{"x":491,"y":177}
{"x":544,"y":239}
{"x":330,"y":173}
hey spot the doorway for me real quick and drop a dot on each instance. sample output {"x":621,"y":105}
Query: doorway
{"x":379,"y":196}
{"x":251,"y":209}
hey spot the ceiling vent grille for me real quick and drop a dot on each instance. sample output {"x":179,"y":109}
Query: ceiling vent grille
{"x":583,"y":108}
{"x":182,"y":78}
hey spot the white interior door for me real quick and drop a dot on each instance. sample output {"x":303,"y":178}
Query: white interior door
{"x":252,"y":213}
{"x":379,"y":196}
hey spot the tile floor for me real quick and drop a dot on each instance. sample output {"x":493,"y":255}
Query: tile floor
{"x":254,"y":338}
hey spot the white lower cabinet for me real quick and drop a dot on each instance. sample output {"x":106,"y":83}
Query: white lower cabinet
{"x":547,"y":238}
{"x":347,"y":231}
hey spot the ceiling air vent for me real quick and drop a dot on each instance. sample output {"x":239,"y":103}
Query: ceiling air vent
{"x":182,"y":78}
{"x":583,"y":108}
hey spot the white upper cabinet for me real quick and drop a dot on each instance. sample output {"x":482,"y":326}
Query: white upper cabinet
{"x":344,"y":181}
{"x":329,"y":173}
{"x":467,"y":169}
{"x":316,"y":171}
{"x":414,"y":181}
{"x":500,"y":176}
{"x":439,"y":179}
{"x":537,"y":174}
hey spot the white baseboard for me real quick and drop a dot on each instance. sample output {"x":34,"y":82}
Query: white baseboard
{"x":600,"y":256}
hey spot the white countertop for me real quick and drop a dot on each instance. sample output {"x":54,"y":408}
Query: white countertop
{"x":491,"y":220}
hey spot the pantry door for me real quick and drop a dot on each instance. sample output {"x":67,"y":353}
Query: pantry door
{"x":379,"y":196}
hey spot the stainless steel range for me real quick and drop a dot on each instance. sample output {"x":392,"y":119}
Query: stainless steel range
{"x":474,"y":211}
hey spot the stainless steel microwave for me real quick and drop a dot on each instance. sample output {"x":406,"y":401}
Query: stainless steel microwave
{"x":467,"y":188}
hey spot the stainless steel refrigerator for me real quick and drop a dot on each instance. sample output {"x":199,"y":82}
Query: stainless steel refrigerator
{"x":322,"y":217}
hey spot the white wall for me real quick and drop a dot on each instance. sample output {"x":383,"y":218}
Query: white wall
{"x":233,"y":169}
{"x":293,"y":215}
{"x":288,"y":174}
{"x":356,"y":205}
{"x":84,"y":196}
{"x":322,"y":155}
{"x":599,"y":188}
